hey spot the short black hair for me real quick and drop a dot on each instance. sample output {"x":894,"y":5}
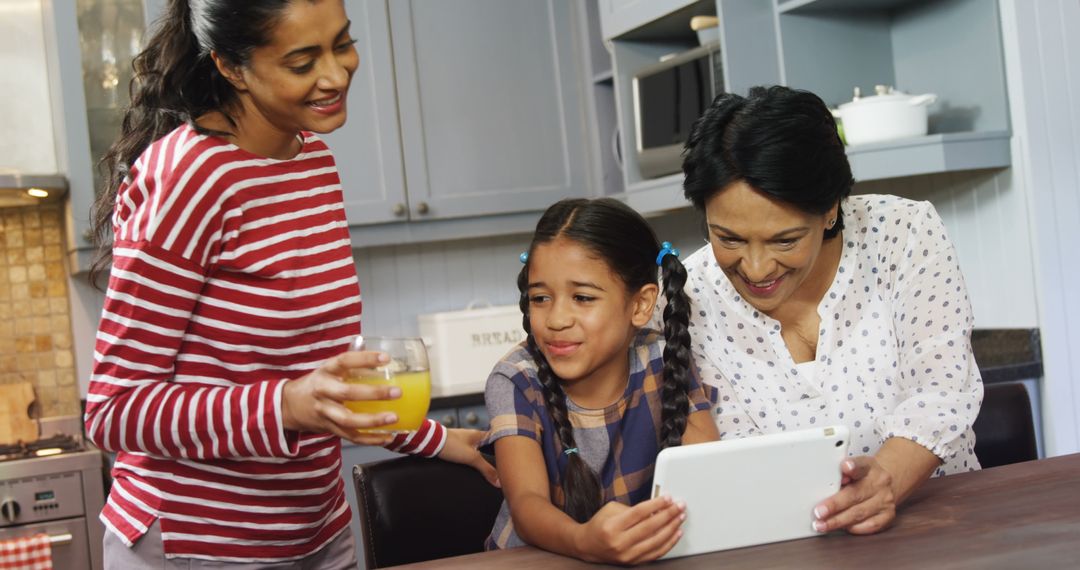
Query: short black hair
{"x":783,"y":142}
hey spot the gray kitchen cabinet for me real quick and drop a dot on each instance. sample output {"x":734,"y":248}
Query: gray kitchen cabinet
{"x":465,"y":411}
{"x":446,"y":416}
{"x":489,"y":104}
{"x":465,"y":118}
{"x":828,"y":47}
{"x":89,"y":45}
{"x":474,"y":417}
{"x":368,"y":148}
{"x":460,"y":109}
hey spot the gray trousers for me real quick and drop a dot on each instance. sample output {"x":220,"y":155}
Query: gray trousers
{"x":148,"y":552}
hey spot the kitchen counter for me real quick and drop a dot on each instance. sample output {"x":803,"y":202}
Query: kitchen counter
{"x":1005,"y":355}
{"x":475,"y":399}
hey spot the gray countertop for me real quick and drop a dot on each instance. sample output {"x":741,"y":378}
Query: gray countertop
{"x":1005,"y":355}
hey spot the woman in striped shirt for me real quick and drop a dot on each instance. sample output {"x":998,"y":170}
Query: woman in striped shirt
{"x":233,"y":297}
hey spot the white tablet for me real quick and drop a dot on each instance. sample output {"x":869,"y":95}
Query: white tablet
{"x":749,"y":491}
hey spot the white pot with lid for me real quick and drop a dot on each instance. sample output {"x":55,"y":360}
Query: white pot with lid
{"x":888,"y":115}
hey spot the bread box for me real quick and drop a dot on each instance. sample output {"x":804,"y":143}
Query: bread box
{"x":463,"y":346}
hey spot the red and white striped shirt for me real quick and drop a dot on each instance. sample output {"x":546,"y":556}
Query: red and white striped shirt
{"x":232,"y":274}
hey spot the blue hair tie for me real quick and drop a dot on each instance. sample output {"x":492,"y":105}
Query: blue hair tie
{"x":665,"y":248}
{"x":570,"y":450}
{"x":524,"y":257}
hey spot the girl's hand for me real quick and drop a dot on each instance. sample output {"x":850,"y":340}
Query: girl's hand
{"x":631,"y":535}
{"x":314,"y":403}
{"x":866,"y":504}
{"x":460,"y":447}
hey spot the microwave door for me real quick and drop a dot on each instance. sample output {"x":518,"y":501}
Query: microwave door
{"x":668,"y":102}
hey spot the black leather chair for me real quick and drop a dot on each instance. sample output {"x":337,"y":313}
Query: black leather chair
{"x":1004,"y":429}
{"x":414,"y":509}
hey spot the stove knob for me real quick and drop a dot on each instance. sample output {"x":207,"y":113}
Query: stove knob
{"x":10,"y":509}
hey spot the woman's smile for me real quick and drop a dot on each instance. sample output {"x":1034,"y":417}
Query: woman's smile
{"x":763,"y":288}
{"x":329,"y":105}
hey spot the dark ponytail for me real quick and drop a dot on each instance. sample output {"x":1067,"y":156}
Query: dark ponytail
{"x":175,"y":81}
{"x":625,"y":241}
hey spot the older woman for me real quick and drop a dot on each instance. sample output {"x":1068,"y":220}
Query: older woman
{"x":813,"y":307}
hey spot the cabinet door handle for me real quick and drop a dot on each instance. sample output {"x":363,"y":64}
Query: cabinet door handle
{"x":422,"y":208}
{"x":399,"y":209}
{"x":472,"y":419}
{"x":449,"y":420}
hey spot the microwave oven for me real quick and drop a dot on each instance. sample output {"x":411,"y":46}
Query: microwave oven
{"x":669,"y":96}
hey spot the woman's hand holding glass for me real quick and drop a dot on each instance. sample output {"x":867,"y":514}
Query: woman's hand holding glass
{"x":406,"y":369}
{"x":316,"y":402}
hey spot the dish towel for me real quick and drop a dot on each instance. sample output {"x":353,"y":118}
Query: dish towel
{"x":26,"y":553}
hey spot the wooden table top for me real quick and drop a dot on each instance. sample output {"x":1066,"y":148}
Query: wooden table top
{"x":1022,"y":516}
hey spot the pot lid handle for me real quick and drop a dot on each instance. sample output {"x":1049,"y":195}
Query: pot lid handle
{"x":925,"y":99}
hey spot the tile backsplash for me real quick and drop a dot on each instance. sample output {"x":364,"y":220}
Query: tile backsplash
{"x":35,"y":316}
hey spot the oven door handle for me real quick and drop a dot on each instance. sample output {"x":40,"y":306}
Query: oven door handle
{"x":60,"y":539}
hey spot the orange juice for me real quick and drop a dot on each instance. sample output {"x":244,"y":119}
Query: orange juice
{"x":411,"y":408}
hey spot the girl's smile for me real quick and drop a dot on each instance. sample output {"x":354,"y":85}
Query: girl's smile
{"x":583,"y":319}
{"x":562,"y":348}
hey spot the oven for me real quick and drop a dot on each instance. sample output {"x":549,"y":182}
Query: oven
{"x":54,"y":486}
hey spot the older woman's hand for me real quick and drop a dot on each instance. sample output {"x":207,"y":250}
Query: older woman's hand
{"x":874,"y":486}
{"x":866,"y":504}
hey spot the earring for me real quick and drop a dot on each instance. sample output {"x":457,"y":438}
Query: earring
{"x":832,"y":222}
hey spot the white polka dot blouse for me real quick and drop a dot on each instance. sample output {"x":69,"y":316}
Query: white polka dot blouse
{"x":893,"y":356}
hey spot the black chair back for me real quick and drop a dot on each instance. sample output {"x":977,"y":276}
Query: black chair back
{"x":1004,"y":430}
{"x":414,"y":509}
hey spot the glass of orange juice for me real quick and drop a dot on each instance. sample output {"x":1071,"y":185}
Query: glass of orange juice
{"x":408,"y":369}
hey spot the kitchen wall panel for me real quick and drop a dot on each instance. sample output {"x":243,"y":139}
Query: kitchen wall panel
{"x":984,"y":214}
{"x":986,"y":217}
{"x":398,"y":283}
{"x":1042,"y":60}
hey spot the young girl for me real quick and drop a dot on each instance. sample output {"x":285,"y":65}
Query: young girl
{"x":233,"y":297}
{"x":581,"y":409}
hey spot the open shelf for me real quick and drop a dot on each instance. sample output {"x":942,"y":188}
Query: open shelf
{"x":659,"y":20}
{"x":929,"y":154}
{"x":812,"y":6}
